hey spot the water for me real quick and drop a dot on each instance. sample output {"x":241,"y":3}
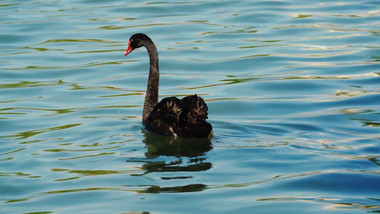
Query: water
{"x":292,"y":88}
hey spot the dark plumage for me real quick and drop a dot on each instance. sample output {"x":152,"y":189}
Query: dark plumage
{"x":171,"y":116}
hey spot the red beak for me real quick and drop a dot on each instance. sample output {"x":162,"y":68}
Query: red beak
{"x":129,"y":50}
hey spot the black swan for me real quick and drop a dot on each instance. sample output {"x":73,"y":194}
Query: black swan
{"x":171,"y":116}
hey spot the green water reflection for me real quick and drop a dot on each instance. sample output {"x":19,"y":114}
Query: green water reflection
{"x":292,"y":89}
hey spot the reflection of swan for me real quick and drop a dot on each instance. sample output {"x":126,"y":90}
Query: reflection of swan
{"x":171,"y":116}
{"x":192,"y":149}
{"x":179,"y":147}
{"x":187,"y":188}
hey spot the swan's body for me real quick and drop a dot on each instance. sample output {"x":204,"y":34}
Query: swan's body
{"x":171,"y":116}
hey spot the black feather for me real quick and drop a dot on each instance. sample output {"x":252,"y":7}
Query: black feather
{"x":185,"y":117}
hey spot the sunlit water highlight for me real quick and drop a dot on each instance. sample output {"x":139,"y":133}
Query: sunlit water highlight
{"x":292,"y":88}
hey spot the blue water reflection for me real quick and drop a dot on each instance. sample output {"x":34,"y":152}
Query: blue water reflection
{"x":292,"y":89}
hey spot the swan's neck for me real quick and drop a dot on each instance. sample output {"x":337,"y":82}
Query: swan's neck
{"x":151,"y":97}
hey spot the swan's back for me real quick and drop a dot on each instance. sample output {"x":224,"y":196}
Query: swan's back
{"x":195,"y":107}
{"x":185,"y":117}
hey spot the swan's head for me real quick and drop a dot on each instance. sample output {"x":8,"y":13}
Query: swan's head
{"x":136,"y":41}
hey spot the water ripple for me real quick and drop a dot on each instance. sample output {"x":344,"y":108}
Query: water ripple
{"x":291,"y":86}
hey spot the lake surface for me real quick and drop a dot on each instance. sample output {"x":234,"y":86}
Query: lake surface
{"x":293,"y":90}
